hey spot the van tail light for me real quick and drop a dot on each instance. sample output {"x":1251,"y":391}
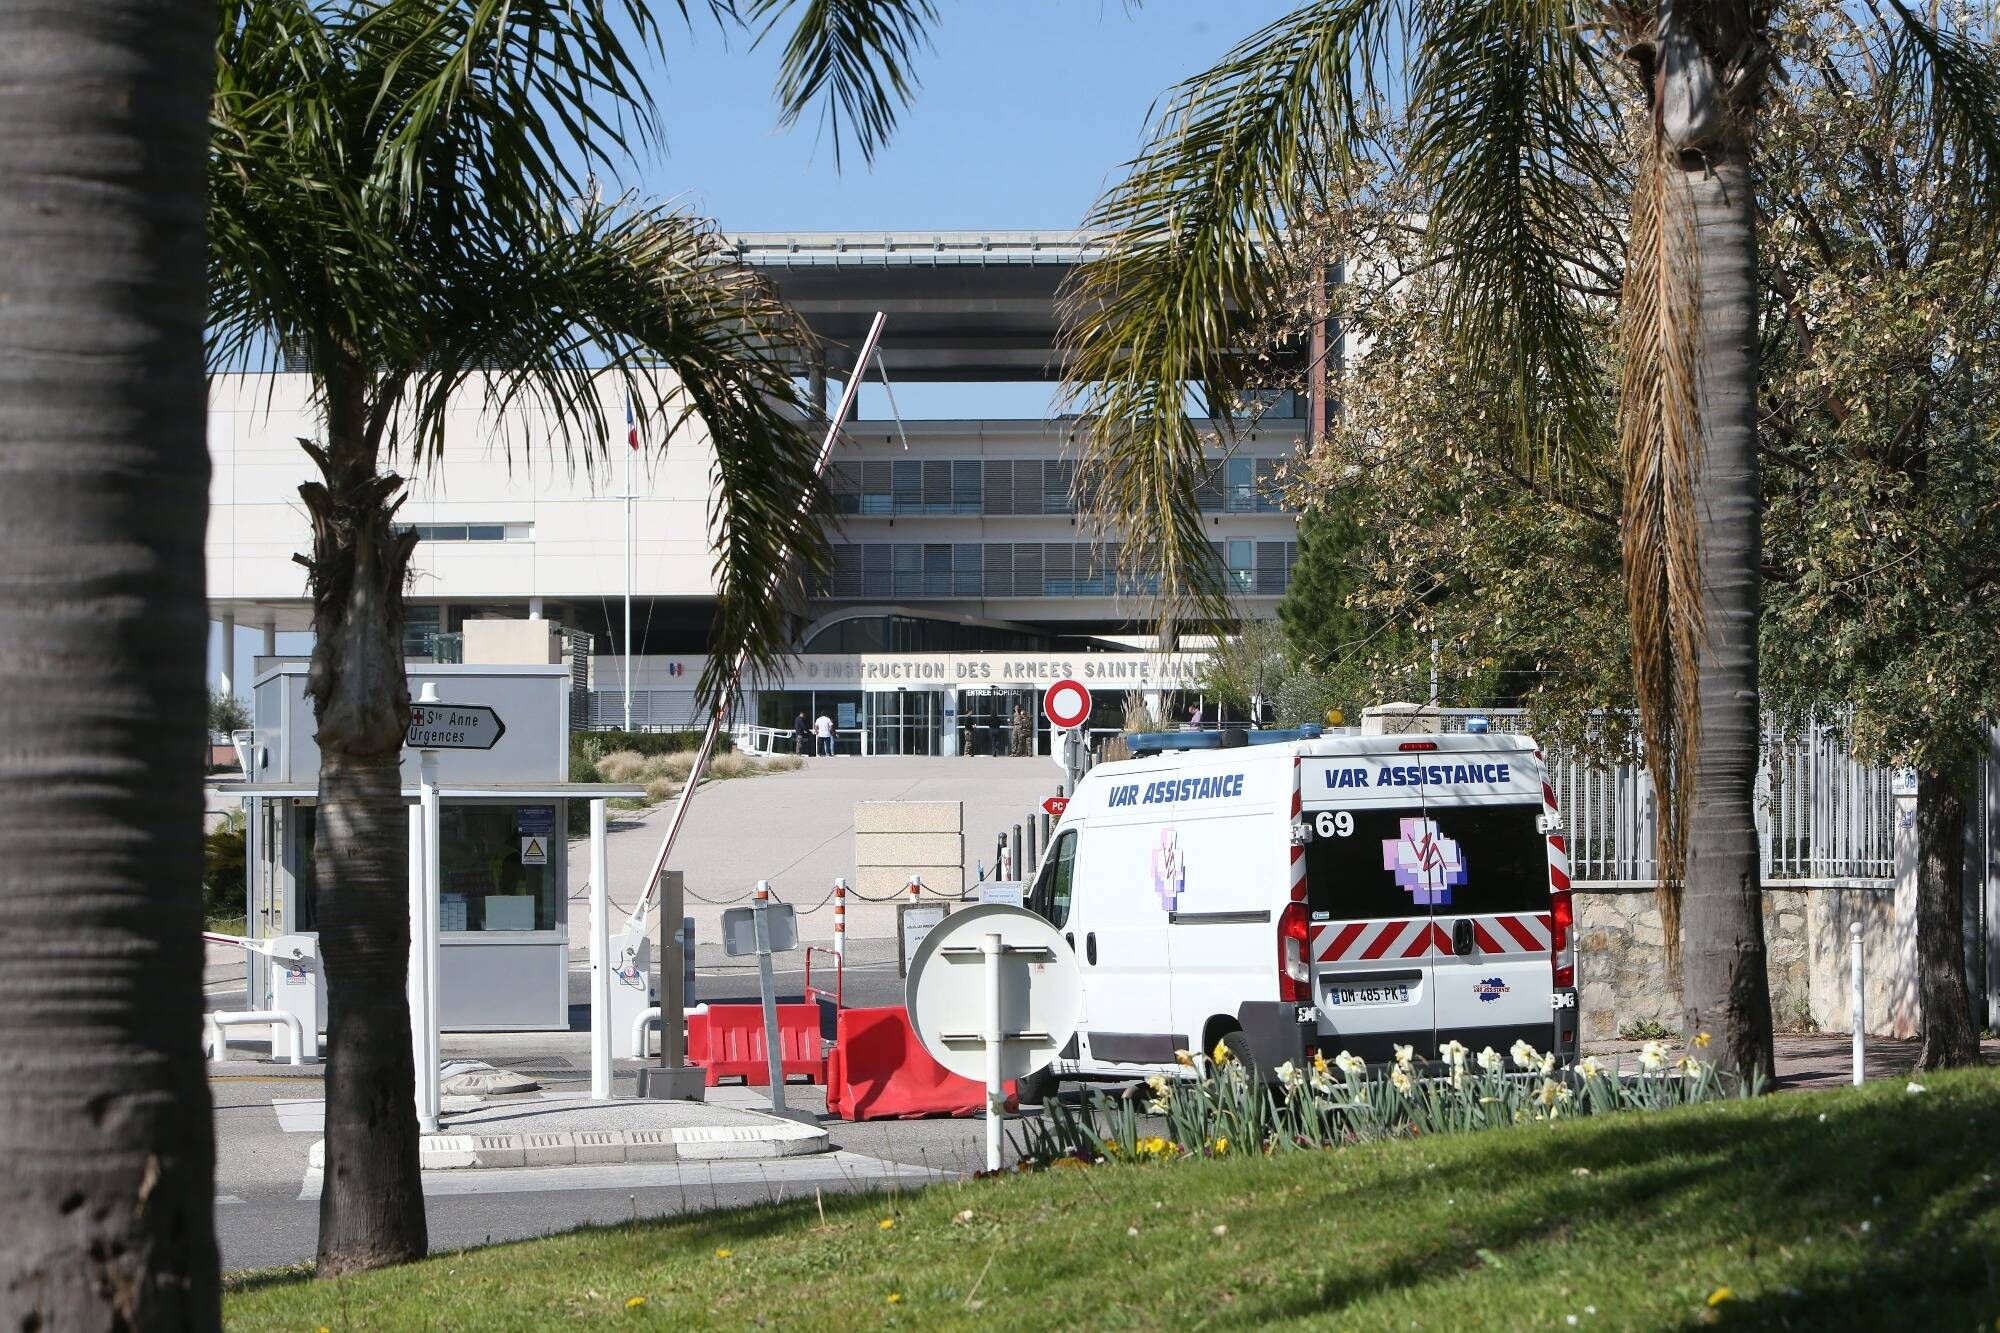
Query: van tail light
{"x":1562,"y":915}
{"x":1294,"y":972}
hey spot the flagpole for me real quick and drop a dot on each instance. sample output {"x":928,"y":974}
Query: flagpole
{"x":631,"y":453}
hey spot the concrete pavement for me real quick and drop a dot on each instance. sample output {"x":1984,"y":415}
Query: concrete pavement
{"x":797,"y":830}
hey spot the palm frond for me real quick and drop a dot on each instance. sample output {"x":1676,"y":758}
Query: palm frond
{"x":1509,"y":136}
{"x":855,"y":54}
{"x":1231,"y":155}
{"x":1660,"y":449}
{"x":1962,"y":78}
{"x":555,"y":329}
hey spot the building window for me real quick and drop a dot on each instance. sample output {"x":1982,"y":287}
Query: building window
{"x":470,"y":532}
{"x":1242,"y":485}
{"x":1242,"y":564}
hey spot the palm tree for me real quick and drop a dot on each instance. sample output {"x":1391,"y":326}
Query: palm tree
{"x":107,"y":1153}
{"x":394,"y":193}
{"x":1506,"y":107}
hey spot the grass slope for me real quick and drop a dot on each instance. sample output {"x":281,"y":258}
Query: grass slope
{"x":1869,"y":1209}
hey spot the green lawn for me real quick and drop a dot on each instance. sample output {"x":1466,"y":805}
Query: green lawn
{"x":1876,"y":1209}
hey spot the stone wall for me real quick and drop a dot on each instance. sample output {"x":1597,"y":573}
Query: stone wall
{"x":1621,"y":961}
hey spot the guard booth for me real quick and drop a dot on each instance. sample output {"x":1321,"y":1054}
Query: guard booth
{"x":503,"y":848}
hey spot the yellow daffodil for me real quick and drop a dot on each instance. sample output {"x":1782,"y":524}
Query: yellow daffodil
{"x":1319,"y":1062}
{"x":635,"y":1302}
{"x":1221,"y":1145}
{"x":1701,"y":1040}
{"x":1221,"y":1053}
{"x":1719,"y":1295}
{"x":895,"y":1298}
{"x":723,"y":1254}
{"x":887,"y":1224}
{"x":1184,"y":1057}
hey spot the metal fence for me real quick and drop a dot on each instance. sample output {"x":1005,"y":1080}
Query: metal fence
{"x":1821,"y":816}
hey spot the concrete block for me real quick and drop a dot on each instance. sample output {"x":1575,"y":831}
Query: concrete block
{"x":599,"y":1145}
{"x":447,"y":1152}
{"x":908,"y":849}
{"x":909,"y":817}
{"x":650,"y":1145}
{"x":548,"y":1149}
{"x":715,"y":1143}
{"x":874,"y":881}
{"x":500,"y":1149}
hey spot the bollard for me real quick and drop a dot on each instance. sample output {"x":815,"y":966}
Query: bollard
{"x":1020,"y":861}
{"x":1043,"y":820}
{"x":1860,"y":999}
{"x":1028,"y":859}
{"x":840,"y":919}
{"x":1005,"y":869}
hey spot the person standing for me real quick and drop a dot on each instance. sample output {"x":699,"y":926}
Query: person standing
{"x":1194,"y":718}
{"x":823,"y":727}
{"x":1023,"y":736}
{"x":802,"y":733}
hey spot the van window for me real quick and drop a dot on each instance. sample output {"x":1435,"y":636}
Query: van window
{"x":1461,"y":860}
{"x":1049,"y":899}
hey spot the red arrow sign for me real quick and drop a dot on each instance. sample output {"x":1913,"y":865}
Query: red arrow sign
{"x":1055,"y":805}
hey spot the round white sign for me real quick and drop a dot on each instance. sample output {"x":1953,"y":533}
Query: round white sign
{"x":1067,"y":703}
{"x":947,"y":995}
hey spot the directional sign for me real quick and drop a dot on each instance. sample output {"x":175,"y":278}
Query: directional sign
{"x":454,"y":727}
{"x":1067,"y":703}
{"x":1055,"y":805}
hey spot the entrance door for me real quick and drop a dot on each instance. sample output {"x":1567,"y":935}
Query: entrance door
{"x":902,"y":722}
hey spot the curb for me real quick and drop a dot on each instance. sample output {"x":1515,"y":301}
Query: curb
{"x":594,"y":1147}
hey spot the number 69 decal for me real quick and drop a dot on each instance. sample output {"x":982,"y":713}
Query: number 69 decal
{"x":1334,"y":824}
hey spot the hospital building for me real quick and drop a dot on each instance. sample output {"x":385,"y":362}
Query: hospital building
{"x":963,"y":581}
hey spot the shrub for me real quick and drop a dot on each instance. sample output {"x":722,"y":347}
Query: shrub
{"x":596,"y":744}
{"x":222,"y":870}
{"x":1216,"y":1109}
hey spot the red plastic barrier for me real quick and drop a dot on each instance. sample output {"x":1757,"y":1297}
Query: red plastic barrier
{"x":880,"y":1071}
{"x":728,"y":1041}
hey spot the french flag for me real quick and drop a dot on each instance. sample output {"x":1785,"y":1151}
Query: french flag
{"x":631,"y":427}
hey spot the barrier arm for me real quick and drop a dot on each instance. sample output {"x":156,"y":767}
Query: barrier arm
{"x":637,"y":922}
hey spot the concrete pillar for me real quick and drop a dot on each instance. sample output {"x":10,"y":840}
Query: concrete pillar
{"x":816,"y":386}
{"x":534,"y":608}
{"x":227,"y":684}
{"x":1903,"y":1018}
{"x":270,"y":638}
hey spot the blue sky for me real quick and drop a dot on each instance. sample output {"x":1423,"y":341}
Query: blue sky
{"x":1027,"y":109}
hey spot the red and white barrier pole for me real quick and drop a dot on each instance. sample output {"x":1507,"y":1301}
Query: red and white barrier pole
{"x":840,"y":920}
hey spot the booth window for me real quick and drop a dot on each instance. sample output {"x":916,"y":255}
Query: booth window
{"x":496,"y":867}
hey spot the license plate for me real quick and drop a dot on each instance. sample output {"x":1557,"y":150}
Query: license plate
{"x":1344,"y":995}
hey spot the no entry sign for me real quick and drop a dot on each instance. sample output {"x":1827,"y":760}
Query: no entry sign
{"x":1067,"y":703}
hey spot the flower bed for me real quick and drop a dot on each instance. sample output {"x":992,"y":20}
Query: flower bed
{"x":1216,"y":1108}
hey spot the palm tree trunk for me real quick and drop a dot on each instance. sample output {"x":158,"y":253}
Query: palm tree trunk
{"x":107,"y":1151}
{"x":1949,"y":1037}
{"x":371,"y":1206}
{"x":1723,"y":977}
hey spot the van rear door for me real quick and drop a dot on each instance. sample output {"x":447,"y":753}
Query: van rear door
{"x":1371,"y":934}
{"x":1493,"y":986}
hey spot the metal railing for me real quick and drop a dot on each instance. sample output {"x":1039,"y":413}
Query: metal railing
{"x":1822,"y":817}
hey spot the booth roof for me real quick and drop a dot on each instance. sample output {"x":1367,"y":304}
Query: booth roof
{"x":539,"y":791}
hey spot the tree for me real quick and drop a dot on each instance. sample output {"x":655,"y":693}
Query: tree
{"x":1315,"y":612}
{"x":226,"y":713}
{"x":1884,"y":438}
{"x":394,"y":192}
{"x":1506,"y":107}
{"x":107,"y":1155}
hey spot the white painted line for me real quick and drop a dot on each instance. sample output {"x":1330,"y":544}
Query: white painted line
{"x":300,"y":1115}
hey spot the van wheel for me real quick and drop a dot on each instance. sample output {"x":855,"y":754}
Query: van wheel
{"x":1238,"y":1047}
{"x":1038,"y":1088}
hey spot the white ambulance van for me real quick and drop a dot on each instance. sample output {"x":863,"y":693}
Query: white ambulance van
{"x":1286,"y":892}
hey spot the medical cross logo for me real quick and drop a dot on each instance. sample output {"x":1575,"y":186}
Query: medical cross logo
{"x":1169,"y":870}
{"x":1425,"y":862}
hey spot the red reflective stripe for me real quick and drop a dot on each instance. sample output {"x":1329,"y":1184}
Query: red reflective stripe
{"x":1428,"y":939}
{"x":1558,"y":880}
{"x":1337,"y":947}
{"x":1556,"y":841}
{"x":1512,"y":925}
{"x":1385,"y":940}
{"x":1487,"y":944}
{"x":1546,"y":921}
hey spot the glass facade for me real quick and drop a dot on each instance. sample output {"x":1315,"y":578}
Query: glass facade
{"x":897,"y":487}
{"x":873,"y":570}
